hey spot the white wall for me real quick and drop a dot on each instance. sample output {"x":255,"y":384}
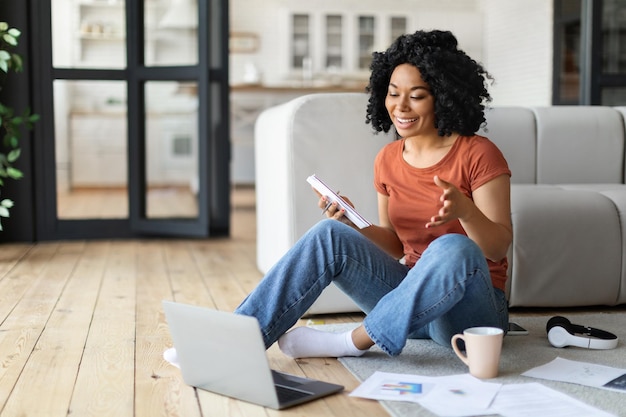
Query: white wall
{"x":270,"y":19}
{"x":518,"y":51}
{"x":513,"y":39}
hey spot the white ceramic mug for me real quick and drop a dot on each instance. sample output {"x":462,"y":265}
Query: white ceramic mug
{"x":483,"y":346}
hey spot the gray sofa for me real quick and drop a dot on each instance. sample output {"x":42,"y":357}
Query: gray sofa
{"x":568,"y":194}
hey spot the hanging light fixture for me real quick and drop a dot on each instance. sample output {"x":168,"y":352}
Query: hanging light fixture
{"x":182,"y":14}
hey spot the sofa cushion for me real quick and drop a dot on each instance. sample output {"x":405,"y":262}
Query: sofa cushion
{"x":567,"y":248}
{"x":579,"y":144}
{"x":617,"y":194}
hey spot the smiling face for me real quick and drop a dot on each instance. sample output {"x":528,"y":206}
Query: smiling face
{"x":409,"y":102}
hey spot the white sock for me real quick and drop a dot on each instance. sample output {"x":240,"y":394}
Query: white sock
{"x":305,"y":342}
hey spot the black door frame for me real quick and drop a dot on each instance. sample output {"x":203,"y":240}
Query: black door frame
{"x":17,"y":92}
{"x":211,"y":74}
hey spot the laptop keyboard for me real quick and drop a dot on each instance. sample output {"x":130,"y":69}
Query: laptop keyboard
{"x":286,"y":394}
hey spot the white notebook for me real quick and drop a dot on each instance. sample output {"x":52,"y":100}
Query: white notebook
{"x":326,"y":191}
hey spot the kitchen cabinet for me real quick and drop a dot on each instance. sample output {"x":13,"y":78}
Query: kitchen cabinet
{"x":301,"y":40}
{"x":172,"y":150}
{"x":98,"y":150}
{"x":367,"y":35}
{"x":96,"y":122}
{"x":98,"y":147}
{"x":99,"y":35}
{"x":99,"y":28}
{"x":334,"y":41}
{"x":342,"y":41}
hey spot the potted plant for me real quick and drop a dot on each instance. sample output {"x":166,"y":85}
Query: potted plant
{"x":10,"y":122}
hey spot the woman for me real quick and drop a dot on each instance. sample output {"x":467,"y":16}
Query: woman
{"x":436,"y":263}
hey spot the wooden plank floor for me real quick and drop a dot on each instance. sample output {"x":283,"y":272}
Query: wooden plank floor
{"x":82,"y":331}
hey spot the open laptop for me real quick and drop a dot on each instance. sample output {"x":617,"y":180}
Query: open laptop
{"x":224,"y":353}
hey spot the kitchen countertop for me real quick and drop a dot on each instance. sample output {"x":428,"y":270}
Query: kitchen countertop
{"x":300,"y":88}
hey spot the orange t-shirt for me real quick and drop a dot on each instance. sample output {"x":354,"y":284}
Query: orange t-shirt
{"x":414,"y":198}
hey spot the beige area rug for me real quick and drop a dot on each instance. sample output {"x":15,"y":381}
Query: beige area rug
{"x":520,"y":353}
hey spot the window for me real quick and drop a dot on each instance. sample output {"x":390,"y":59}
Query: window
{"x":590,"y":52}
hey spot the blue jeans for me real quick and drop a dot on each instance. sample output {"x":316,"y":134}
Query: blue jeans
{"x":447,"y":291}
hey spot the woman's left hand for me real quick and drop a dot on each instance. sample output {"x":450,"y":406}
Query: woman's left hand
{"x":334,"y":210}
{"x":453,"y":204}
{"x":340,"y":212}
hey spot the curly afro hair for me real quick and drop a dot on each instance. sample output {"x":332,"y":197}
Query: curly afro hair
{"x":457,"y":82}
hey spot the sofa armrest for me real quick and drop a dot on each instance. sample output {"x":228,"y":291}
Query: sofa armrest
{"x":313,"y":134}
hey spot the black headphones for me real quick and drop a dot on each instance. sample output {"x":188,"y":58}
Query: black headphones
{"x":562,"y":333}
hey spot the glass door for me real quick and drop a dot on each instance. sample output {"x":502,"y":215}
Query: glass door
{"x":589,"y":52}
{"x":139,"y":94}
{"x":90,"y":123}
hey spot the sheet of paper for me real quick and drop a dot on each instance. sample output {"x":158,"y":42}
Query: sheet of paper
{"x":534,"y":399}
{"x":461,"y":395}
{"x":446,"y":396}
{"x":326,"y":191}
{"x":386,"y":386}
{"x":582,"y":373}
{"x":464,"y":396}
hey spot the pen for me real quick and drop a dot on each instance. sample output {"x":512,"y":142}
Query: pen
{"x":330,"y":203}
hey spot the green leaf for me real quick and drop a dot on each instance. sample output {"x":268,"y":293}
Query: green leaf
{"x":4,"y":26}
{"x":17,"y":62}
{"x":14,"y":32}
{"x":6,"y":110}
{"x":11,"y":139}
{"x":5,"y":55}
{"x":4,"y":212}
{"x":4,"y":66}
{"x":9,"y":39}
{"x":8,"y":203}
{"x":14,"y":173}
{"x":33,"y":118}
{"x":14,"y":155}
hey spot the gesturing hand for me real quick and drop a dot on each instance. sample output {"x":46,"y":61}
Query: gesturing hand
{"x":453,"y":203}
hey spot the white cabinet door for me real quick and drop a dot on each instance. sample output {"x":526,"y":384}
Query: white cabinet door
{"x":98,"y":149}
{"x":333,"y":43}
